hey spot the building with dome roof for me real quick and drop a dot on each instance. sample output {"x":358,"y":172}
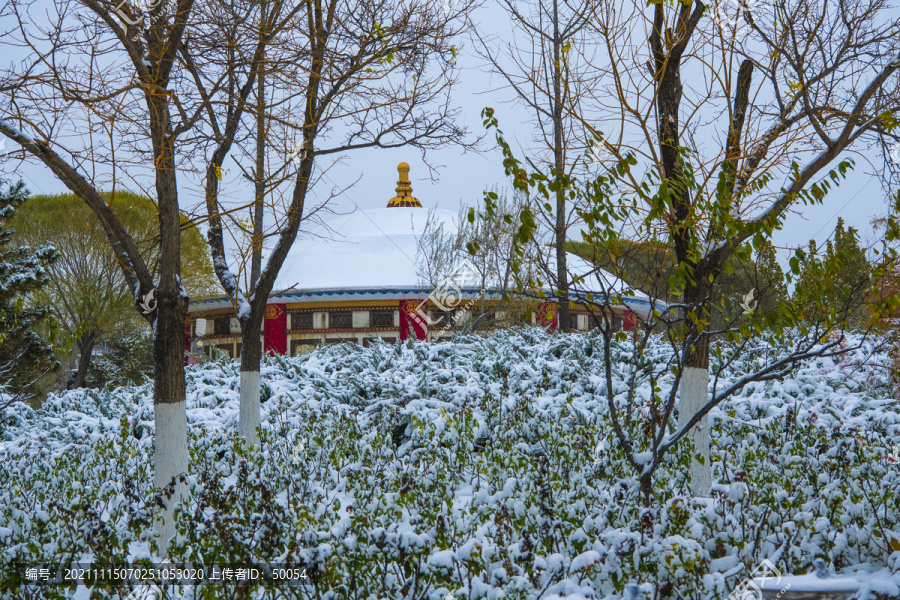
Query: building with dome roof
{"x":361,"y":282}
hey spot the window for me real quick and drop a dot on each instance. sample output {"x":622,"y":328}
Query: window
{"x":381,"y":318}
{"x":226,"y":348}
{"x":330,"y":341}
{"x":443,"y":318}
{"x":299,"y":347}
{"x":340,"y":320}
{"x":222,"y":326}
{"x":302,"y":320}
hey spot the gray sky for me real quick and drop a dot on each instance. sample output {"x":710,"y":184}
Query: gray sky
{"x":463,"y":176}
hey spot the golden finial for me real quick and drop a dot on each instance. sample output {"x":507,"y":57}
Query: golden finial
{"x":404,"y":195}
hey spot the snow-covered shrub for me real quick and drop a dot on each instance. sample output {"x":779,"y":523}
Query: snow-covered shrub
{"x":84,"y":495}
{"x":505,"y":479}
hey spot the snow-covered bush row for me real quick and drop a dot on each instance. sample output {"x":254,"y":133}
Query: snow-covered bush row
{"x":476,"y":467}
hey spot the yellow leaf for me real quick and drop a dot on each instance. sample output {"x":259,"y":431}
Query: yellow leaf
{"x":895,"y":541}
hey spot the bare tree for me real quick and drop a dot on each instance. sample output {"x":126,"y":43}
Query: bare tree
{"x":345,"y":75}
{"x":489,"y":241}
{"x":438,"y":249}
{"x":478,"y":252}
{"x":726,"y":156}
{"x":544,"y":65}
{"x":100,"y":95}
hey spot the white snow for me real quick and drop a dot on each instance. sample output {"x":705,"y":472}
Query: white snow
{"x":15,"y":131}
{"x":370,"y":502}
{"x":584,"y":561}
{"x":377,"y":249}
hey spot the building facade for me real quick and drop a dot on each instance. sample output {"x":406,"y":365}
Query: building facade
{"x":357,"y":279}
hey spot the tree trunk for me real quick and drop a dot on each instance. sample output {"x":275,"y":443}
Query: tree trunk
{"x":559,"y":159}
{"x":260,"y":176}
{"x":666,"y":66}
{"x":694,"y":387}
{"x":168,"y":327}
{"x":646,"y":483}
{"x":251,"y":347}
{"x":562,"y":282}
{"x":85,"y":350}
{"x":251,"y":355}
{"x":169,"y":408}
{"x":694,"y":383}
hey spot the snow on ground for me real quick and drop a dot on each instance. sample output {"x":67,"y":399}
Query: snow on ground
{"x":485,"y":467}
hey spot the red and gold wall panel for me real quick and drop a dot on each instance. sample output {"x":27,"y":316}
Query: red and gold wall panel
{"x":275,"y":329}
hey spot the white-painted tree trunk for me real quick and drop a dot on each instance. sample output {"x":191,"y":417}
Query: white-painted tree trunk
{"x":249,"y":417}
{"x":171,"y":461}
{"x":694,"y":395}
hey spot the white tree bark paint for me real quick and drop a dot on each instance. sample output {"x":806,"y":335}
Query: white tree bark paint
{"x":694,"y":395}
{"x":249,"y":417}
{"x":171,"y":461}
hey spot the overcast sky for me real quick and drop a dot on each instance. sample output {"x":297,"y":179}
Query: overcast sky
{"x":463,"y":176}
{"x":466,"y":174}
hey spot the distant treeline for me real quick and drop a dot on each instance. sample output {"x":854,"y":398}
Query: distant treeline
{"x":841,"y":269}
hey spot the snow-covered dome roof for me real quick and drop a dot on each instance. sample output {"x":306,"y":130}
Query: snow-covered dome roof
{"x":366,"y":249}
{"x":378,"y":250}
{"x":374,"y":255}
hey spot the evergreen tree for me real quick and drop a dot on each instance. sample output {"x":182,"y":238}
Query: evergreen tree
{"x":757,"y":282}
{"x":853,"y":272}
{"x":811,"y":275}
{"x":647,"y":266}
{"x":770,"y":281}
{"x":24,"y":355}
{"x":89,"y":297}
{"x":840,"y":278}
{"x":125,"y":360}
